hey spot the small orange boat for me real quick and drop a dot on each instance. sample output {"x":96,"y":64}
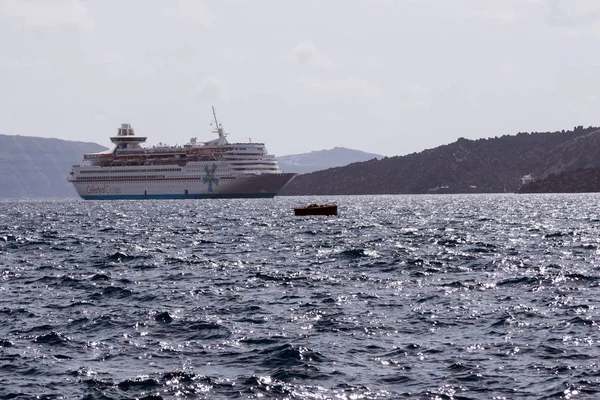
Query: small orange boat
{"x":317,"y":209}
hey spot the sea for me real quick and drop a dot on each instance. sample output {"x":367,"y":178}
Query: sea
{"x":489,"y":296}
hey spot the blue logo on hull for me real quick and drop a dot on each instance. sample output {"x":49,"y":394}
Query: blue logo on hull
{"x":210,"y":177}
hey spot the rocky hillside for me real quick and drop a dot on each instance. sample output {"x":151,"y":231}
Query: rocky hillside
{"x":465,"y":166}
{"x":572,"y":167}
{"x":580,"y":180}
{"x":323,"y":159}
{"x":38,"y":167}
{"x":581,"y":152}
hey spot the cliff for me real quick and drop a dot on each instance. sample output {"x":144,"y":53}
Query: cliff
{"x":572,"y":167}
{"x":580,"y":180}
{"x":39,"y":167}
{"x":465,"y":166}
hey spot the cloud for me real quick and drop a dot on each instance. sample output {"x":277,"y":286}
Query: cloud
{"x":306,"y":53}
{"x":44,"y":14}
{"x":210,"y":89}
{"x":573,"y":12}
{"x":499,"y":15}
{"x":416,"y":89}
{"x":413,"y":96}
{"x":347,"y":85}
{"x":11,"y":63}
{"x":194,"y":11}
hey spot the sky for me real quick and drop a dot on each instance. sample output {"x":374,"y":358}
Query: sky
{"x":390,"y":77}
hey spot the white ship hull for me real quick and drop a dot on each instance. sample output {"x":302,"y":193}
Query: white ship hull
{"x":260,"y":186}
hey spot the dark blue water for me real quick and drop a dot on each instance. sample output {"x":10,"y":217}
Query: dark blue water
{"x":426,"y":297}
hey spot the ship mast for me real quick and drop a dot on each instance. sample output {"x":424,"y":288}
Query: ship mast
{"x":217,"y":125}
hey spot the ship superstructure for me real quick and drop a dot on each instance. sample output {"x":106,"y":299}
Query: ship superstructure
{"x":213,"y":169}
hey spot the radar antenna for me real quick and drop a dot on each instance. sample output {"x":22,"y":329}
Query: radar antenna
{"x":218,"y":127}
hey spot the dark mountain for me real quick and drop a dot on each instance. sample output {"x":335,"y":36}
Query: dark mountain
{"x":39,"y":167}
{"x":465,"y":166}
{"x":323,"y":159}
{"x":572,"y":167}
{"x":581,"y":152}
{"x":580,"y":180}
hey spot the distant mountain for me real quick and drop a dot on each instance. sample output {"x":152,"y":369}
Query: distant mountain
{"x":39,"y":167}
{"x":322,"y":159}
{"x":572,"y":167}
{"x":465,"y":166}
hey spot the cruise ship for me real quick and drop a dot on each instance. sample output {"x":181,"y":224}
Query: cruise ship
{"x":213,"y":169}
